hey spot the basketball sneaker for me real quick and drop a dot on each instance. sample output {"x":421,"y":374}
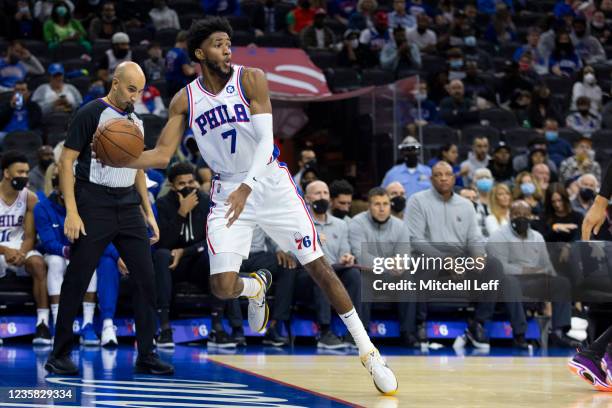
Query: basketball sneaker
{"x":42,"y":336}
{"x":588,"y":367}
{"x":383,"y":377}
{"x":109,"y":336}
{"x":258,"y":308}
{"x":606,"y":365}
{"x":165,"y":339}
{"x":220,"y":339}
{"x":89,"y":336}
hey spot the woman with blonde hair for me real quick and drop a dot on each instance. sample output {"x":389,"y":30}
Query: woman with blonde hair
{"x":500,"y":200}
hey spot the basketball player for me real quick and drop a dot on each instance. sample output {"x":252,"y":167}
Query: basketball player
{"x":594,"y":363}
{"x":18,"y":236}
{"x":229,"y":110}
{"x":103,"y":205}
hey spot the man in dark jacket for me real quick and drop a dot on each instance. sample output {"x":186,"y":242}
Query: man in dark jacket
{"x":182,"y":253}
{"x":19,"y":113}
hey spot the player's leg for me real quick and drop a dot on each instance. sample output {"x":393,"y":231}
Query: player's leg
{"x":108,"y":291}
{"x":88,"y":334}
{"x":35,"y":267}
{"x":162,"y":258}
{"x":56,"y":267}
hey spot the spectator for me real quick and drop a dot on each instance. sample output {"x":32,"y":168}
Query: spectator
{"x":150,"y":102}
{"x":347,"y":49}
{"x":564,"y":61}
{"x":416,"y":8}
{"x":163,"y":17}
{"x":420,"y":112}
{"x":23,"y":24}
{"x":221,"y":7}
{"x":526,"y":189}
{"x":520,"y":105}
{"x":501,"y":30}
{"x":501,"y":163}
{"x":372,"y":40}
{"x":499,"y":205}
{"x":398,"y":54}
{"x":483,"y":184}
{"x":582,"y":162}
{"x":543,"y":106}
{"x":517,"y":76}
{"x":582,"y":120}
{"x":588,"y":48}
{"x":388,"y":237}
{"x":18,"y":237}
{"x":105,"y":26}
{"x":154,"y":66}
{"x":44,"y":8}
{"x":478,"y":158}
{"x":37,"y":175}
{"x":397,"y":196}
{"x":599,"y":28}
{"x":399,"y":18}
{"x":413,"y":176}
{"x":526,"y":263}
{"x":20,"y":113}
{"x":541,"y":174}
{"x":559,"y":149}
{"x":57,"y":96}
{"x":341,"y":194}
{"x":96,"y":90}
{"x":472,"y":52}
{"x":317,"y":35}
{"x":267,"y":18}
{"x":61,"y":27}
{"x":179,"y":69}
{"x":588,"y":189}
{"x":477,"y":86}
{"x":563,"y":8}
{"x":309,"y":175}
{"x":449,"y":153}
{"x":459,"y":29}
{"x":119,"y":52}
{"x":547,"y":40}
{"x":587,"y":86}
{"x":539,"y":61}
{"x":307,"y":156}
{"x":457,"y":109}
{"x":463,"y":237}
{"x":16,"y":65}
{"x":422,"y":35}
{"x":341,"y":10}
{"x":562,"y":222}
{"x":300,"y":17}
{"x":362,"y":17}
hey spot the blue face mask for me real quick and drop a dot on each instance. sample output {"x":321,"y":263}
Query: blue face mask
{"x":484,"y":185}
{"x":552,"y":135}
{"x":457,"y":64}
{"x":470,"y":41}
{"x":528,"y":189}
{"x":62,"y":11}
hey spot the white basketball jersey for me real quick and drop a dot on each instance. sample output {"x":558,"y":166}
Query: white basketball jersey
{"x":11,"y":220}
{"x":222,"y":126}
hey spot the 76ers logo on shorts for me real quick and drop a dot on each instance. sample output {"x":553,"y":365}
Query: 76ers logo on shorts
{"x":302,"y":241}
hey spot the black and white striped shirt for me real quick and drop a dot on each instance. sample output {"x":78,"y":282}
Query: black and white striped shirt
{"x":80,"y":134}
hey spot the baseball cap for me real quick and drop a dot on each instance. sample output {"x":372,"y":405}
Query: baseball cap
{"x":120,"y":38}
{"x":55,"y":69}
{"x":501,"y":145}
{"x":409,"y":142}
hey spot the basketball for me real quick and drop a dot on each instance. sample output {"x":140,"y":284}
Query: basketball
{"x":118,"y":142}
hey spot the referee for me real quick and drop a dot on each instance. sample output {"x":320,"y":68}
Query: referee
{"x":103,"y":205}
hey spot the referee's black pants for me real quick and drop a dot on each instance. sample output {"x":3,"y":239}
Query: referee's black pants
{"x":110,"y":215}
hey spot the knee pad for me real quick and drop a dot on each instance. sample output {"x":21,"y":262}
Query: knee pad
{"x":56,"y":267}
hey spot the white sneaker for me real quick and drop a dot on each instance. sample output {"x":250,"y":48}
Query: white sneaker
{"x":384,"y":379}
{"x":109,"y":336}
{"x":258,"y":307}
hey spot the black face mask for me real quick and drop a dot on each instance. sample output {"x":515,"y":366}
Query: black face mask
{"x":185,"y":191}
{"x":120,"y":53}
{"x":19,"y":183}
{"x":398,"y":203}
{"x":319,"y":23}
{"x":55,"y":182}
{"x":586,"y":194}
{"x":44,"y":164}
{"x":421,"y":30}
{"x":320,"y":206}
{"x":338,"y":213}
{"x":411,"y":160}
{"x":520,"y":225}
{"x":381,"y":222}
{"x":583,"y":112}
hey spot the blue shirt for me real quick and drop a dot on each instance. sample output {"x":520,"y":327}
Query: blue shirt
{"x":413,"y":182}
{"x":568,"y":64}
{"x":342,"y":8}
{"x":11,"y":73}
{"x":19,"y":121}
{"x":175,"y":59}
{"x":559,"y":150}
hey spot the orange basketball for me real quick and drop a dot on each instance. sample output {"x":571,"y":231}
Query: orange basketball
{"x":118,"y":142}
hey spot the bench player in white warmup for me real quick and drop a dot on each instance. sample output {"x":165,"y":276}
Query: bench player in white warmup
{"x":229,"y":110}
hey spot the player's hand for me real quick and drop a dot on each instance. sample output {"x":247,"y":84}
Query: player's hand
{"x":152,"y":223}
{"x":236,"y":201}
{"x":177,"y":254}
{"x":10,"y":255}
{"x":122,"y":267}
{"x":347,"y":259}
{"x":73,"y":227}
{"x":285,"y":259}
{"x":594,"y":218}
{"x":187,"y":203}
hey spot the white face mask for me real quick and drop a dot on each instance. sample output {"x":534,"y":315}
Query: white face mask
{"x":589,"y":78}
{"x":355,"y":43}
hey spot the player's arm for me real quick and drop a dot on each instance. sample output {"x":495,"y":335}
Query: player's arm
{"x":29,"y":229}
{"x":596,"y":215}
{"x":170,"y":137}
{"x":141,"y":187}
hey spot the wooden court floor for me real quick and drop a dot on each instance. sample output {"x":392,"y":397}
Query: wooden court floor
{"x":433,"y":381}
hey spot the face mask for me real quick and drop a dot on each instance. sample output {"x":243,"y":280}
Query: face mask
{"x":19,"y":183}
{"x":470,"y":41}
{"x":523,"y":66}
{"x":421,"y":30}
{"x":319,"y":23}
{"x":120,"y":53}
{"x":586,"y":194}
{"x":339,"y":213}
{"x":584,"y":112}
{"x":398,"y":203}
{"x":552,"y":135}
{"x":528,"y":189}
{"x":44,"y":164}
{"x":579,"y":33}
{"x":420,"y":96}
{"x":520,"y":225}
{"x":484,"y":185}
{"x":598,"y":25}
{"x":62,"y":11}
{"x":456,"y":64}
{"x":320,"y":206}
{"x":589,"y":78}
{"x":55,"y":182}
{"x":185,"y":191}
{"x":355,"y":43}
{"x":411,"y":160}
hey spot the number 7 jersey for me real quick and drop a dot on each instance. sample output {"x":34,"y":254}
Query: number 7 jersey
{"x":222,"y":125}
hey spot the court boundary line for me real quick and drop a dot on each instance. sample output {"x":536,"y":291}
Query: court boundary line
{"x":297,"y":387}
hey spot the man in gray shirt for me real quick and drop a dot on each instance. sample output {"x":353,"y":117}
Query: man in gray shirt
{"x":443,"y":224}
{"x":526,"y":261}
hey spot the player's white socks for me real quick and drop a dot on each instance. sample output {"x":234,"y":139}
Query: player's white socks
{"x":54,"y":309}
{"x":251,"y":287}
{"x":88,"y":312}
{"x":107,"y":323}
{"x":42,"y":316}
{"x":355,"y":327}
